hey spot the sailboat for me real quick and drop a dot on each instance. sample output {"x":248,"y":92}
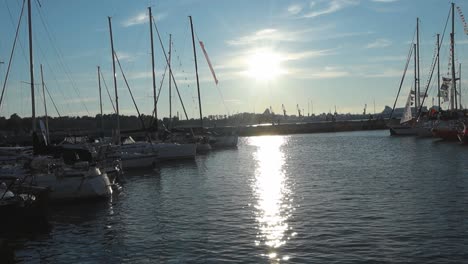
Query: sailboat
{"x":449,"y":125}
{"x":165,"y":150}
{"x":209,"y":139}
{"x":76,"y":179}
{"x":131,"y":158}
{"x":168,"y":150}
{"x":406,"y":122}
{"x":138,"y":154}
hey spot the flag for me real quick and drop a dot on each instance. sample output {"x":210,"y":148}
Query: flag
{"x":209,"y":62}
{"x":465,"y":26}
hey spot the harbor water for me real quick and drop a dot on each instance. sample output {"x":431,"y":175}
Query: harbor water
{"x":350,"y":197}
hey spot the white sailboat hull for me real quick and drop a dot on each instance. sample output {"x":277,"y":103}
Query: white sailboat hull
{"x":165,"y":151}
{"x":203,"y":147}
{"x":74,"y":186}
{"x":225,"y":141}
{"x":403,"y":131}
{"x":172,"y":151}
{"x":138,"y":160}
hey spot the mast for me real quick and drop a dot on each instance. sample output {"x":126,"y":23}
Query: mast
{"x":31,"y":69}
{"x":170,"y":81}
{"x":453,"y":96}
{"x":152,"y":69}
{"x":418,"y":87}
{"x":100,"y":99}
{"x":438,"y":71}
{"x":45,"y":107}
{"x":374,"y":106}
{"x":459,"y":85}
{"x":196,"y":72}
{"x":115,"y":82}
{"x":415,"y":78}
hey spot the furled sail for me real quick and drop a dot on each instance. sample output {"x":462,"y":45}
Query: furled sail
{"x":209,"y":62}
{"x":407,"y":114}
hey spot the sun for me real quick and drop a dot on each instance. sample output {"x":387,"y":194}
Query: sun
{"x":264,"y":65}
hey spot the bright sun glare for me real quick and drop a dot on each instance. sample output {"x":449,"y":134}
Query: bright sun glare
{"x":264,"y":65}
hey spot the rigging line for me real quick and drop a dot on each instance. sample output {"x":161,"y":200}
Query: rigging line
{"x":425,"y":93}
{"x":19,"y":41}
{"x":408,"y":59}
{"x":54,"y":77}
{"x":51,"y":99}
{"x":170,"y":72}
{"x":222,"y":99}
{"x":131,"y":94}
{"x":445,"y":27}
{"x":183,"y":48}
{"x":434,"y":60}
{"x":12,"y":53}
{"x":61,"y":61}
{"x":51,"y":71}
{"x":161,"y":83}
{"x":108,"y":93}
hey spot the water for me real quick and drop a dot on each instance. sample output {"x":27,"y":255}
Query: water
{"x":320,"y":198}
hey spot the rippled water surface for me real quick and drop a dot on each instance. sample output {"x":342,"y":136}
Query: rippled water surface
{"x":320,"y":198}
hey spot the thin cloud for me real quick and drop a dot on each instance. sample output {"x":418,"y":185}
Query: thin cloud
{"x":387,"y":58}
{"x":127,"y":56}
{"x":330,"y":7}
{"x":273,"y":34}
{"x":379,"y":43}
{"x":294,"y":9}
{"x":139,"y":75}
{"x":384,"y":1}
{"x":264,"y":34}
{"x":384,"y":73}
{"x":320,"y":73}
{"x":293,"y":56}
{"x":347,"y":35}
{"x":142,"y":18}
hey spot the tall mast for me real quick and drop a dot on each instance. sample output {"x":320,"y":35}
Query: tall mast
{"x":115,"y":82}
{"x":459,"y":85}
{"x":170,"y":81}
{"x":31,"y":69}
{"x":152,"y":69}
{"x":196,"y":71}
{"x":100,"y":98}
{"x":415,"y":78}
{"x":45,"y":107}
{"x":418,"y":88}
{"x":374,"y":106}
{"x":438,"y":71}
{"x":453,"y":96}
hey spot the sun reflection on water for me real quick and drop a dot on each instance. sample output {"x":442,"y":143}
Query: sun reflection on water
{"x":272,"y":207}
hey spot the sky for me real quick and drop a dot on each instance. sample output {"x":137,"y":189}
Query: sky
{"x":318,"y":54}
